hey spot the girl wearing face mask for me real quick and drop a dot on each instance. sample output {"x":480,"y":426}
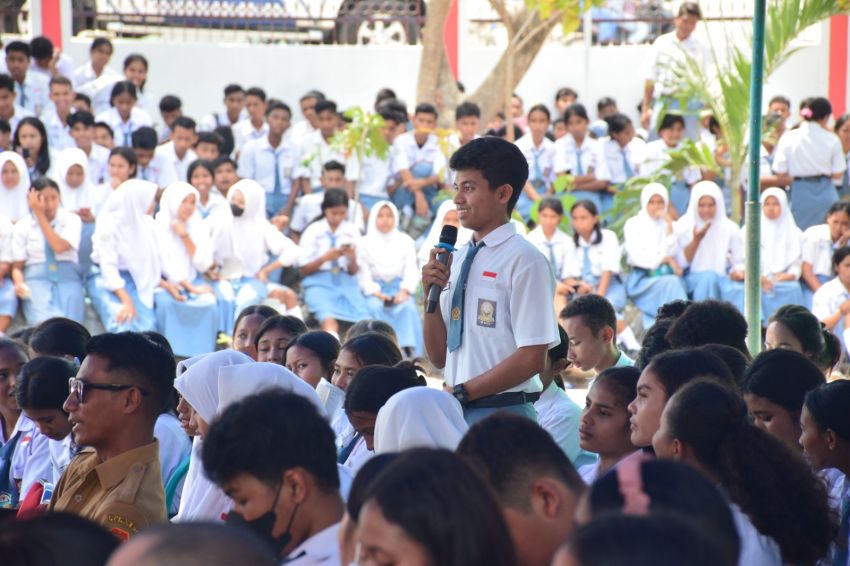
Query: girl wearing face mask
{"x":274,"y":337}
{"x":243,"y":242}
{"x":651,"y":250}
{"x":186,"y":309}
{"x":44,"y":249}
{"x":15,"y":181}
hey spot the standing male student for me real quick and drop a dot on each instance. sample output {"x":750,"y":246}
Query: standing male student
{"x":31,"y":89}
{"x":494,"y":323}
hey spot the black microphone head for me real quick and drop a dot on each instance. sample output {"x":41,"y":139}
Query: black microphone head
{"x":448,"y":235}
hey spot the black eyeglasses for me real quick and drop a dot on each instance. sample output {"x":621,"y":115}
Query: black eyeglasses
{"x":78,"y":387}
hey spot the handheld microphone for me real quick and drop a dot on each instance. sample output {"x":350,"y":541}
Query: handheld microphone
{"x":448,"y":238}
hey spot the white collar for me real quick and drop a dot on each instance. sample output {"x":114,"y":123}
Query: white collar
{"x":322,"y":546}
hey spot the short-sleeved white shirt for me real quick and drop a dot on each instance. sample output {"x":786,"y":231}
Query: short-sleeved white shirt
{"x":604,"y":256}
{"x":373,"y":177}
{"x":159,"y":170}
{"x":545,"y":156}
{"x":634,"y":153}
{"x":407,"y":153}
{"x":317,"y":239}
{"x":666,"y":50}
{"x":818,"y":249}
{"x":259,"y":159}
{"x":562,"y":246}
{"x":58,"y":134}
{"x":244,"y":131}
{"x":181,"y":166}
{"x":315,"y":152}
{"x":508,"y":305}
{"x":28,"y":240}
{"x":124,"y":130}
{"x":808,"y":151}
{"x":592,"y":157}
{"x":828,"y":298}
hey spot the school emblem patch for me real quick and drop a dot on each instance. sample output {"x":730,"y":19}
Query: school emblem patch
{"x":456,"y":313}
{"x":486,"y":313}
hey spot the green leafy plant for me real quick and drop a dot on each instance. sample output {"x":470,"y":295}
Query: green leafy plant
{"x":362,"y":138}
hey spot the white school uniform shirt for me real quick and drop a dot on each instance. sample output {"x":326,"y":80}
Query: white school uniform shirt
{"x":828,"y":298}
{"x":177,"y":264}
{"x":99,"y":89}
{"x":604,"y":256}
{"x":19,"y":114}
{"x":124,"y":130}
{"x":31,"y":459}
{"x":648,"y":241}
{"x":656,"y":156}
{"x":508,"y":305}
{"x":181,"y":166}
{"x":61,"y":454}
{"x":592,"y":157}
{"x":159,"y":170}
{"x":299,"y":132}
{"x":818,"y":248}
{"x":218,"y":119}
{"x":28,"y":242}
{"x":374,"y":175}
{"x":561,"y":245}
{"x":558,"y":415}
{"x":84,"y":74}
{"x":315,"y":151}
{"x":321,"y":548}
{"x":385,"y":257}
{"x":244,"y":131}
{"x":64,"y":68}
{"x":6,"y":231}
{"x":615,"y":155}
{"x":98,"y":164}
{"x":756,"y":549}
{"x":316,"y":240}
{"x":35,"y":88}
{"x":309,"y":208}
{"x":258,"y":160}
{"x":544,"y":155}
{"x":666,"y":50}
{"x":58,"y":134}
{"x":407,"y":153}
{"x":722,"y":246}
{"x":808,"y":151}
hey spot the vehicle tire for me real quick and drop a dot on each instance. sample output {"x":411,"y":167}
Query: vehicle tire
{"x":380,"y":22}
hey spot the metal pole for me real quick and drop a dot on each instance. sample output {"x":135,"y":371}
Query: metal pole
{"x":752,"y":280}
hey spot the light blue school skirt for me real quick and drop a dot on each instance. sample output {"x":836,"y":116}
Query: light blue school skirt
{"x":84,"y":253}
{"x":8,"y":299}
{"x":334,"y":295}
{"x":368,"y":201}
{"x":649,"y":293}
{"x":810,"y":198}
{"x":703,"y":285}
{"x":404,"y":318}
{"x":62,"y":298}
{"x":190,"y":326}
{"x":233,"y":295}
{"x":808,"y":294}
{"x":680,"y":196}
{"x":107,"y":304}
{"x":275,"y":202}
{"x":616,"y":294}
{"x":784,"y":293}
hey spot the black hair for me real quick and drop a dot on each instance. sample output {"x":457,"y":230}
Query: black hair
{"x":820,"y":108}
{"x":396,"y":106}
{"x":22,"y":335}
{"x":564,"y":92}
{"x":373,"y":386}
{"x":41,"y":47}
{"x":199,"y":164}
{"x":80,"y":97}
{"x":677,"y":367}
{"x":100,"y":42}
{"x":7,"y":83}
{"x":551,"y":203}
{"x":669,"y":120}
{"x":503,"y":131}
{"x":828,"y":406}
{"x":18,"y":346}
{"x":595,"y":310}
{"x":392,"y":116}
{"x":373,"y":348}
{"x":183,"y":122}
{"x":147,"y":363}
{"x":617,"y":123}
{"x":44,"y":183}
{"x":135,"y":58}
{"x":42,"y":383}
{"x":733,"y":358}
{"x":60,"y":80}
{"x":256,"y":91}
{"x":106,"y":127}
{"x":318,"y":95}
{"x":42,"y":160}
{"x":500,"y":163}
{"x":831,"y":353}
{"x":60,"y":337}
{"x":264,"y":311}
{"x":466,"y":110}
{"x":621,"y":381}
{"x":384,"y":94}
{"x":371,"y":325}
{"x":224,"y":158}
{"x":333,"y":165}
{"x":781,"y":100}
{"x":170,"y":103}
{"x":55,"y":539}
{"x":144,"y":138}
{"x":323,"y":344}
{"x":540,"y":108}
{"x":605,"y":101}
{"x":290,"y":324}
{"x":804,"y":326}
{"x":576,"y":109}
{"x":286,"y":431}
{"x":654,"y":342}
{"x":840,"y":121}
{"x":332,"y":198}
{"x":707,"y":322}
{"x":228,"y":142}
{"x":839,"y":255}
{"x":425,"y":108}
{"x":209,"y":137}
{"x":233,"y":88}
{"x":278,"y":105}
{"x":689,"y":9}
{"x":325,"y":106}
{"x":122,"y":87}
{"x":783,"y":377}
{"x":19,"y":47}
{"x":129,"y":155}
{"x":753,"y":467}
{"x":511,"y":453}
{"x":5,"y":127}
{"x":673,"y":309}
{"x":589,"y":206}
{"x":456,"y":522}
{"x":363,"y":481}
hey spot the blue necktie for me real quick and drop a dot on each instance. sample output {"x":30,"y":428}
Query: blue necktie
{"x":626,"y":165}
{"x":128,"y":135}
{"x":52,"y":264}
{"x":345,"y":451}
{"x":23,"y":96}
{"x":458,"y":296}
{"x":841,"y":554}
{"x":579,"y":166}
{"x":586,"y":271}
{"x":334,"y":263}
{"x":552,"y":261}
{"x":538,"y":173}
{"x":278,"y":185}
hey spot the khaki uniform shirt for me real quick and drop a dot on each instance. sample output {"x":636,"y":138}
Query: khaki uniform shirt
{"x":124,"y":494}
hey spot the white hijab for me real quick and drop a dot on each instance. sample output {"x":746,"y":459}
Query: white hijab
{"x":642,"y":229}
{"x":74,"y":198}
{"x":387,"y":254}
{"x":13,"y":202}
{"x":433,"y":237}
{"x":125,"y":222}
{"x":177,"y":266}
{"x":419,"y":417}
{"x":781,"y":239}
{"x":246,"y":235}
{"x":197,"y":382}
{"x":713,"y":251}
{"x":240,"y":381}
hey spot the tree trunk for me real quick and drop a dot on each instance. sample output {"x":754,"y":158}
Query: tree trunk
{"x":436,"y":84}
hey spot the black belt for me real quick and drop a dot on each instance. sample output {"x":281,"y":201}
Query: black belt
{"x":812,"y":178}
{"x":503,"y":400}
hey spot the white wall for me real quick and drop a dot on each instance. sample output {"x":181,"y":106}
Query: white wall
{"x":197,"y":72}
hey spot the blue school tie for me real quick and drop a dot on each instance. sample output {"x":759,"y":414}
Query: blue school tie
{"x":8,"y":489}
{"x":552,"y":262}
{"x":23,"y":100}
{"x":335,"y":262}
{"x":345,"y":451}
{"x":586,"y":271}
{"x":579,"y":166}
{"x":278,"y":185}
{"x":840,"y":556}
{"x":538,"y":173}
{"x":458,"y":296}
{"x":627,"y":167}
{"x":52,"y":264}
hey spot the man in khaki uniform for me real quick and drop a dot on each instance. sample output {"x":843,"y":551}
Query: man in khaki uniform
{"x":114,"y":401}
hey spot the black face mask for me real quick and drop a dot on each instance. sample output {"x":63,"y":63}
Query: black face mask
{"x":263,"y":526}
{"x":237,"y":210}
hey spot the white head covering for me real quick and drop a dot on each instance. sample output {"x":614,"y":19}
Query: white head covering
{"x":386,"y":256}
{"x":74,"y":198}
{"x":177,"y":266}
{"x":419,"y":417}
{"x":781,"y":239}
{"x":372,"y":231}
{"x":433,"y":237}
{"x":240,"y":381}
{"x":13,"y":202}
{"x":246,"y":233}
{"x":713,"y":251}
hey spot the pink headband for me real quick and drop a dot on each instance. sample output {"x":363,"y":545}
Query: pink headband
{"x":806,"y":113}
{"x":630,"y":480}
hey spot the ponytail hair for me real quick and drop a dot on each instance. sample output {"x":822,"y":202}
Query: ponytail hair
{"x":589,"y":206}
{"x":831,"y":353}
{"x":804,"y":326}
{"x":828,"y":405}
{"x":778,"y":491}
{"x":817,"y":109}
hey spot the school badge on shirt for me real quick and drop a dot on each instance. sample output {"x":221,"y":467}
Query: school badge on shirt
{"x":456,"y":313}
{"x":486,"y":313}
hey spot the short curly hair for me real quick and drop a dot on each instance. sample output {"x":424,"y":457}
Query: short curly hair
{"x":710,"y":322}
